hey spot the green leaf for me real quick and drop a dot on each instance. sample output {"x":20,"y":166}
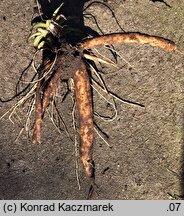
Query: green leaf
{"x":37,"y":40}
{"x":56,"y":11}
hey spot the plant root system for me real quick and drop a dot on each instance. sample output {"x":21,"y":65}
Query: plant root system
{"x":70,"y":64}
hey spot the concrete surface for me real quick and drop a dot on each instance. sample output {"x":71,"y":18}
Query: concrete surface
{"x":146,"y":158}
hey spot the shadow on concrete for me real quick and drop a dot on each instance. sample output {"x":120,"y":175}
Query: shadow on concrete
{"x":73,"y":11}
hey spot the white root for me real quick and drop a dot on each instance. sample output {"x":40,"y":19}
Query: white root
{"x":76,"y":144}
{"x":102,"y":138}
{"x":19,"y":103}
{"x":97,"y":59}
{"x":108,"y":119}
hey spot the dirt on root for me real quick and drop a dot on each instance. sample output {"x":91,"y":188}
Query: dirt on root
{"x":146,"y":158}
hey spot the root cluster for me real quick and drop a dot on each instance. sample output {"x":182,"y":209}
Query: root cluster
{"x":71,"y":63}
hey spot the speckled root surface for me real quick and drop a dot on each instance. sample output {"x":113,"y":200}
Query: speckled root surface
{"x":146,"y":158}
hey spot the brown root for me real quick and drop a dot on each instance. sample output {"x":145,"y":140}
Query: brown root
{"x":120,"y":38}
{"x":38,"y":109}
{"x":51,"y":89}
{"x":43,"y":101}
{"x":48,"y":82}
{"x":38,"y":117}
{"x":85,"y":111}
